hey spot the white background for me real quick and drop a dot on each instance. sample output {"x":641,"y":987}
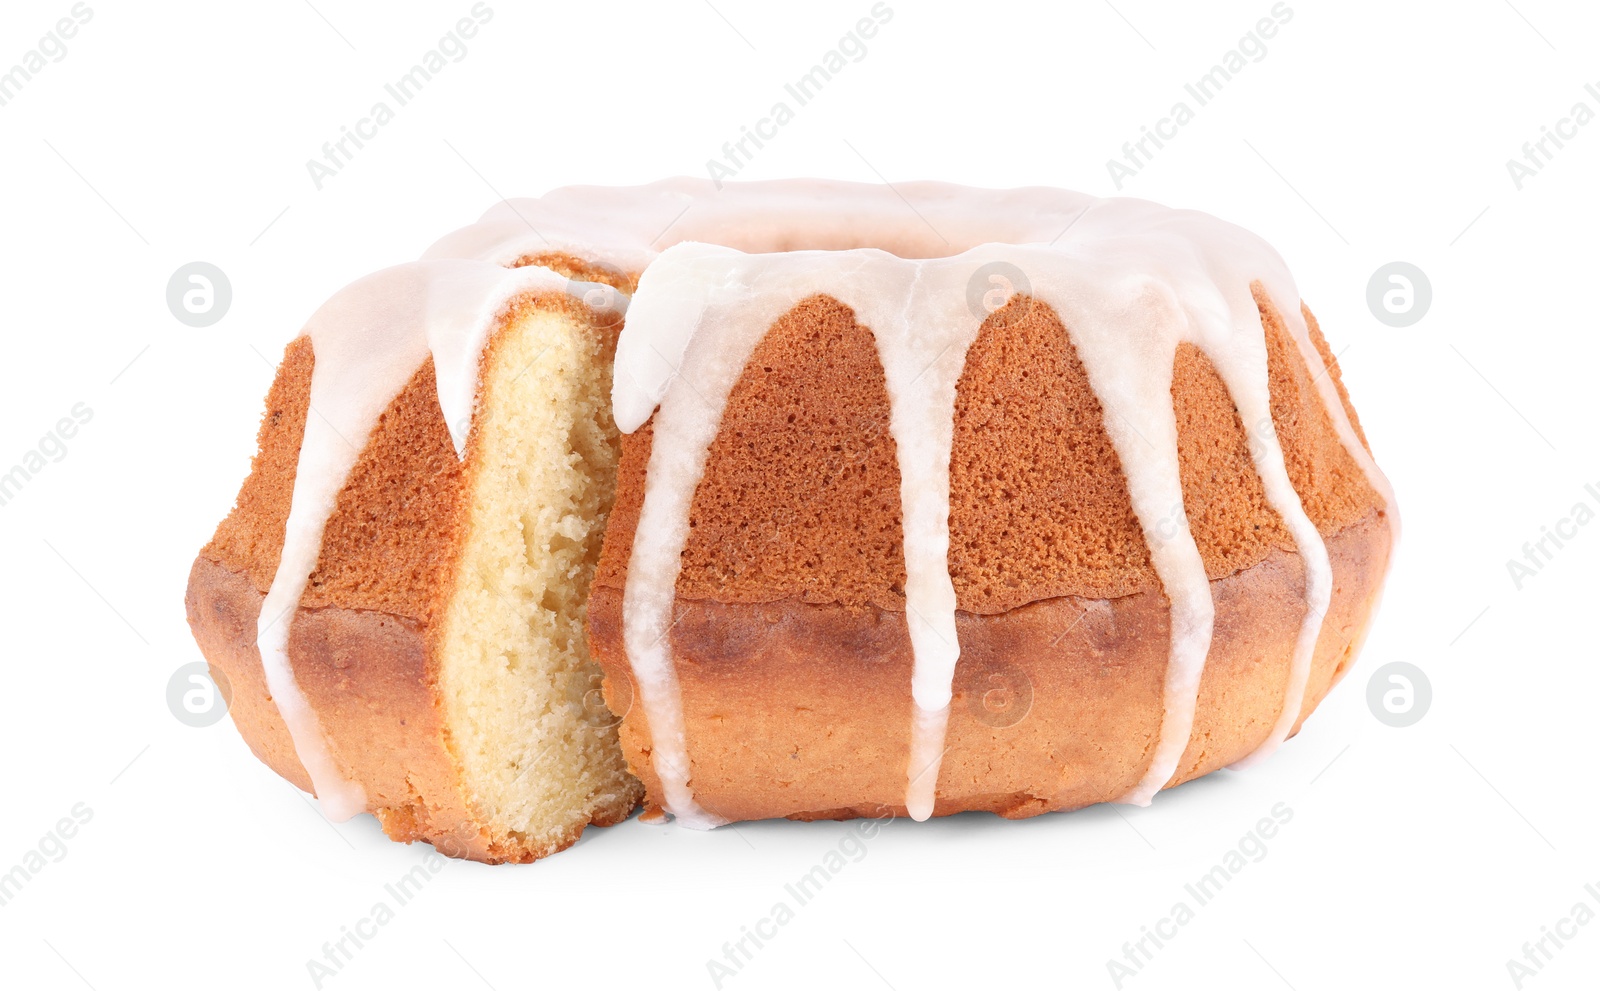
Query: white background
{"x":1370,"y":132}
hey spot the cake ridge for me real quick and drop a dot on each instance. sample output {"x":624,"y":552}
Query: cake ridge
{"x":367,"y":341}
{"x":1225,"y":322}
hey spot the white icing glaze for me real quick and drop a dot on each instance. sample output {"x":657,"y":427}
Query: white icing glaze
{"x":689,"y":311}
{"x":1126,"y":302}
{"x":1131,"y":281}
{"x":627,"y":227}
{"x":1248,"y":364}
{"x":368,"y":341}
{"x":707,"y":308}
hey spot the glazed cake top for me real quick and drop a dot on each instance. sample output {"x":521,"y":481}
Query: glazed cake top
{"x":628,"y":226}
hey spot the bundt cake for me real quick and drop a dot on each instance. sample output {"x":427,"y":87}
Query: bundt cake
{"x":803,"y":499}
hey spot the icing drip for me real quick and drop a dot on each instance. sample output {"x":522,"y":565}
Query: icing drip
{"x":684,"y":299}
{"x":1319,"y":574}
{"x":923,"y":348}
{"x":1242,"y":363}
{"x":1130,"y":280}
{"x":1126,"y":317}
{"x":368,"y":341}
{"x":698,"y":300}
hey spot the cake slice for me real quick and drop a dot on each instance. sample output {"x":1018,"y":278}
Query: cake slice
{"x":439,"y":641}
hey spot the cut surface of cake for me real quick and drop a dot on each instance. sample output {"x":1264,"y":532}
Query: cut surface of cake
{"x":803,"y":499}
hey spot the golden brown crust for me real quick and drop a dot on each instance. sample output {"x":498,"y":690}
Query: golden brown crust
{"x":389,"y":544}
{"x":581,"y":269}
{"x":771,"y":516}
{"x":800,"y":496}
{"x":1330,"y":361}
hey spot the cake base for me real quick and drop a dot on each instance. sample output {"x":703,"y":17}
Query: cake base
{"x":799,"y":711}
